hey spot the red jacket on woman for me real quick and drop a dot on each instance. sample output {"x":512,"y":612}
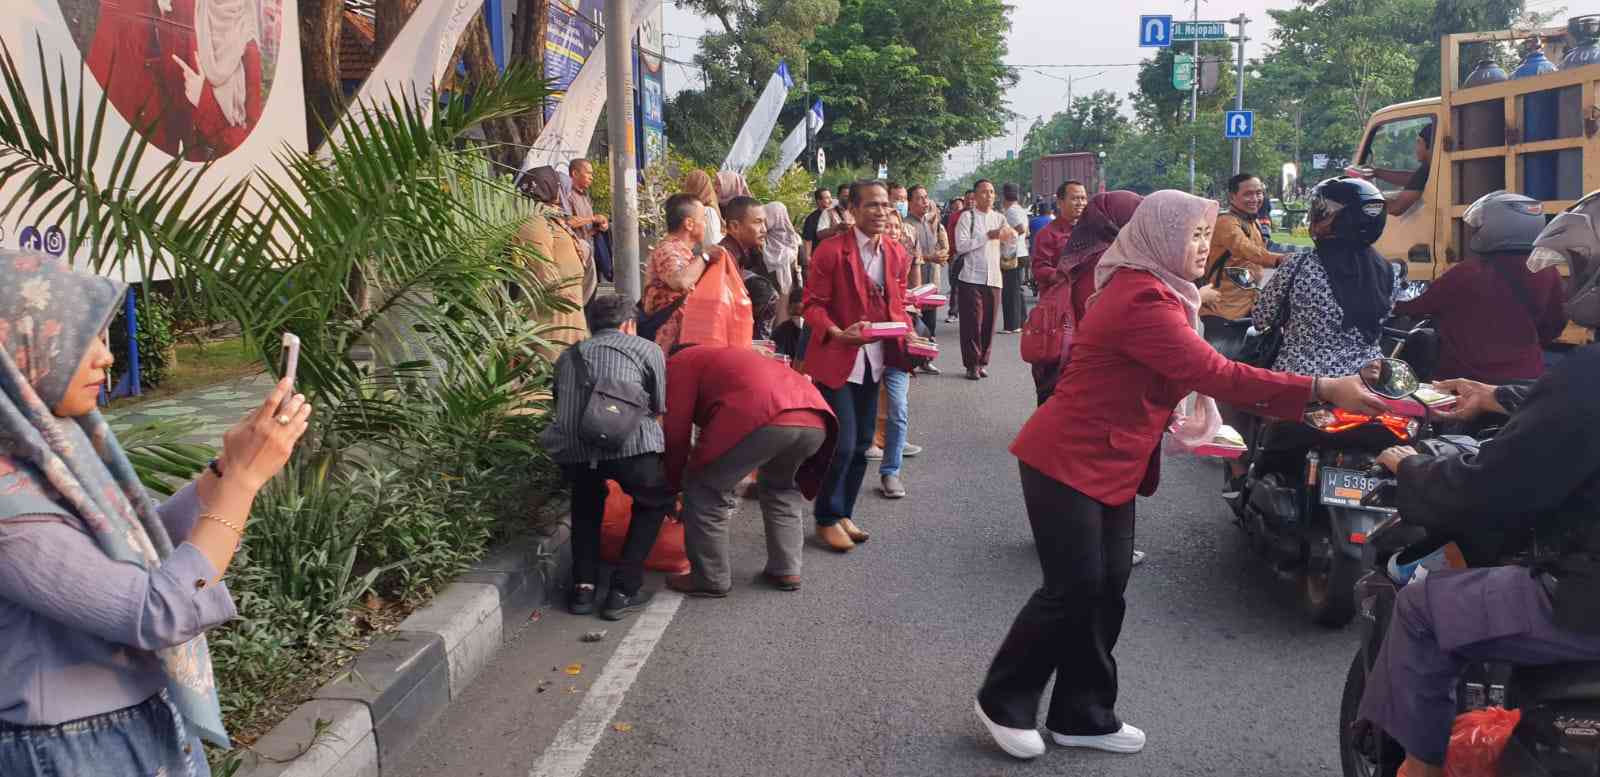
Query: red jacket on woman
{"x":836,"y":295}
{"x":1134,"y":357}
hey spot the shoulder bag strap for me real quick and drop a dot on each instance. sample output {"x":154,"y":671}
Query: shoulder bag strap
{"x":1214,"y":275}
{"x":1517,"y":289}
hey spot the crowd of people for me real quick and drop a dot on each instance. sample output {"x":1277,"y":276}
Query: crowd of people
{"x":776,"y":358}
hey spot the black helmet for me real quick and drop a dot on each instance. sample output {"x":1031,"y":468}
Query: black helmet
{"x":1359,"y":210}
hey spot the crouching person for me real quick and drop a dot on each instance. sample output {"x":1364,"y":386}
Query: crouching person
{"x":609,"y":391}
{"x":754,"y":414}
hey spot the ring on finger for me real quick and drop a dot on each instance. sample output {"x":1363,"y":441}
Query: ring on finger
{"x":283,"y":420}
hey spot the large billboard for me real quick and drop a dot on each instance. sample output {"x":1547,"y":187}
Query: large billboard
{"x":650,"y":84}
{"x":572,"y":32}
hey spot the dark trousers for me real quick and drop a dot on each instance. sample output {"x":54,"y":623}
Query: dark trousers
{"x":954,"y":307}
{"x":640,"y":477}
{"x":977,"y":323}
{"x":856,"y":407}
{"x":1044,"y":380}
{"x":1013,"y":309}
{"x":930,"y":319}
{"x":1070,"y":625}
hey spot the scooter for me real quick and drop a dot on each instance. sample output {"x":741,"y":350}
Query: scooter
{"x":1559,"y":733}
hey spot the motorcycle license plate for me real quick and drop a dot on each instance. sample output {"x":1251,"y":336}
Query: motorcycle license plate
{"x":1346,"y":487}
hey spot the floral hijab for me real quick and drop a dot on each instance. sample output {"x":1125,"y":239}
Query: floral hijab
{"x":73,"y":467}
{"x":1156,"y":241}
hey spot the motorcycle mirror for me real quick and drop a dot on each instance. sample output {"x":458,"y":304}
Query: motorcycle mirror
{"x":1410,"y":290}
{"x":1390,"y":378}
{"x":1240,"y":277}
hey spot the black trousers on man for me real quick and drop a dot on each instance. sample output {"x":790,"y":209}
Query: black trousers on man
{"x":1071,"y":623}
{"x":640,"y":477}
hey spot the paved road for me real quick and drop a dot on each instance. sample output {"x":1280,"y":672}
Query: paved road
{"x":871,"y":668}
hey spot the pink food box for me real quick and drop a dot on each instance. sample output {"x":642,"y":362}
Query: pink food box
{"x":1219,"y":451}
{"x":918,"y":292}
{"x":932,"y":300}
{"x":923,"y":349}
{"x":1411,"y":408}
{"x":887,"y":330}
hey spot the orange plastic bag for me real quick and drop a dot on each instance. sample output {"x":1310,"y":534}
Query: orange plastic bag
{"x":1476,"y":741}
{"x":718,"y":311}
{"x":666,"y":556}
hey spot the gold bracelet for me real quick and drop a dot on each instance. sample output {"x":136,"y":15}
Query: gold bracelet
{"x":233,"y":527}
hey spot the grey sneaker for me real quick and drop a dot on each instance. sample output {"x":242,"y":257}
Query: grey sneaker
{"x":1138,"y":558}
{"x":874,"y":453}
{"x":892,"y":487}
{"x":908,"y":450}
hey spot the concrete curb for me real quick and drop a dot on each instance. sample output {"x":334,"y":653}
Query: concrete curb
{"x":379,"y":708}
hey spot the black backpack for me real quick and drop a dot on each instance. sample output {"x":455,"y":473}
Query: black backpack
{"x":612,"y":410}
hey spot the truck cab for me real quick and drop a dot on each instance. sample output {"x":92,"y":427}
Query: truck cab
{"x":1535,"y":135}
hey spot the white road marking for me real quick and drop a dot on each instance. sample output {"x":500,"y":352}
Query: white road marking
{"x":575,"y":742}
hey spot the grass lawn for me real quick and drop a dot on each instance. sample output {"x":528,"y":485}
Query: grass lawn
{"x":200,"y":365}
{"x":1302,"y":241}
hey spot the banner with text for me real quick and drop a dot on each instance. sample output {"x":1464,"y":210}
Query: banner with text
{"x":758,"y":125}
{"x":795,"y":145}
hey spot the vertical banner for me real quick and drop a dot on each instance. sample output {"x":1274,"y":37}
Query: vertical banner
{"x":651,"y":87}
{"x":795,"y":145}
{"x":758,"y":125}
{"x":214,"y":81}
{"x":429,"y":40}
{"x":572,"y":34}
{"x":569,"y":128}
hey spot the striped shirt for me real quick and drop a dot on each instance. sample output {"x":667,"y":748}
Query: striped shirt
{"x":625,"y":358}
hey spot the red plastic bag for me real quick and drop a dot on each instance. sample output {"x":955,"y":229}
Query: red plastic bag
{"x":718,"y":311}
{"x":666,"y":556}
{"x":1476,"y":741}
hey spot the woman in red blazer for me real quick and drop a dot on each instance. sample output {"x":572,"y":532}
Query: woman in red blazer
{"x":1095,"y":444}
{"x":844,"y":292}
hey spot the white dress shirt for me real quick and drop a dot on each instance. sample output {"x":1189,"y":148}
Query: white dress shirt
{"x":869,"y":356}
{"x":980,"y":254}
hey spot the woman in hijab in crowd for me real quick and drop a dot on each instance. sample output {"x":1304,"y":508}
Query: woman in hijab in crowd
{"x":104,"y":597}
{"x":1070,"y":281}
{"x":1093,"y":446}
{"x":559,"y":263}
{"x":730,"y":185}
{"x":699,"y":184}
{"x":782,"y":250}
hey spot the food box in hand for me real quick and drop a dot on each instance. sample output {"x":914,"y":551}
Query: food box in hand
{"x":887,"y":330}
{"x":1433,"y":398}
{"x":1226,"y":444}
{"x":916,"y":293}
{"x":933,"y":301}
{"x":922,"y":348}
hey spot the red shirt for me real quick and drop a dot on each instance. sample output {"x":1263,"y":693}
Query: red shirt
{"x":836,"y":295}
{"x":1134,"y":357}
{"x":1047,"y":247}
{"x":730,"y":392}
{"x":1486,"y":332}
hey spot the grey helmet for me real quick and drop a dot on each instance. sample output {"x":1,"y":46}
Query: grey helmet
{"x":1573,"y":238}
{"x":1504,"y":223}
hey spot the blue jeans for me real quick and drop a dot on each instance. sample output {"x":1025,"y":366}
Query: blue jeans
{"x":145,"y":739}
{"x":896,"y":382}
{"x":855,"y":405}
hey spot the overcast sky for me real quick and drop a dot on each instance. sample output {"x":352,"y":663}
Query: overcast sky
{"x":1062,"y":32}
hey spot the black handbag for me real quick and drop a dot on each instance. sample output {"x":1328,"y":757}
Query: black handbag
{"x":646,"y":325}
{"x":612,"y":410}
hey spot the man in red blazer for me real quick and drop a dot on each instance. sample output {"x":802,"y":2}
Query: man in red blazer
{"x":754,"y":413}
{"x":856,"y":278}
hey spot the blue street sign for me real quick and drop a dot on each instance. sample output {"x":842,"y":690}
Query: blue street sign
{"x":1239,"y":124}
{"x":1155,"y":31}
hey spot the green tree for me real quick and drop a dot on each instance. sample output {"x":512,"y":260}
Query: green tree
{"x":1157,"y":104}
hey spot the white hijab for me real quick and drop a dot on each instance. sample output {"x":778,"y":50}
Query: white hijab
{"x":782,"y":248}
{"x":223,"y":30}
{"x":1156,"y":241}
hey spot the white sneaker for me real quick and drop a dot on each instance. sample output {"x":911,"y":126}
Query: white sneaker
{"x":908,"y":450}
{"x":1127,"y":740}
{"x":1021,"y":743}
{"x":874,"y":453}
{"x":1138,"y":558}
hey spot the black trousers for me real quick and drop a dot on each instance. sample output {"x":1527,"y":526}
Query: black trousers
{"x":640,"y":477}
{"x":1071,"y":624}
{"x":1014,"y":310}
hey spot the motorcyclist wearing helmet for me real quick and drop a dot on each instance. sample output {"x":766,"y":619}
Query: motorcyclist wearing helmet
{"x":1338,"y":294}
{"x":1491,"y":313}
{"x":1541,"y":472}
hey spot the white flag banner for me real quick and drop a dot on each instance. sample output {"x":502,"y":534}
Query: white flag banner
{"x":758,"y":125}
{"x":416,"y":61}
{"x":570,"y":129}
{"x":795,"y":145}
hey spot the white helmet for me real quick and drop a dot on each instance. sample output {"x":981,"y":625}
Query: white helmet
{"x":1504,"y":223}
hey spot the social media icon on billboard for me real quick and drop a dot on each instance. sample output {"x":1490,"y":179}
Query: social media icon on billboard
{"x":55,"y":241}
{"x":30,"y":240}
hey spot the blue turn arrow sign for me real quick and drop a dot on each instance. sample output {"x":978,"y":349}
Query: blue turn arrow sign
{"x":1155,"y":31}
{"x":1239,"y":124}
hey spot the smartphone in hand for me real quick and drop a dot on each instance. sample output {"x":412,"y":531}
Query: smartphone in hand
{"x":288,"y":364}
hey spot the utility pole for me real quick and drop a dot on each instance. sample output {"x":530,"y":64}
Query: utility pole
{"x":619,"y":130}
{"x":1238,"y":101}
{"x":1194,"y":102}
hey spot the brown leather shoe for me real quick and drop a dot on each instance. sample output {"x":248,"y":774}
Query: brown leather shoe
{"x":684,"y":584}
{"x":857,"y":534}
{"x":835,"y":538}
{"x":782,"y":582}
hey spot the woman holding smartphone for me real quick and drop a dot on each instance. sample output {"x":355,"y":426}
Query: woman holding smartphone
{"x":105,"y":597}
